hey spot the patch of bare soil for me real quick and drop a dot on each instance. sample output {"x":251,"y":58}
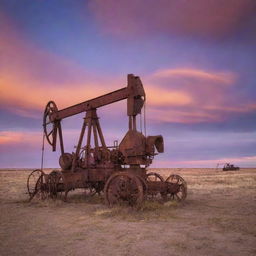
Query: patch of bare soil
{"x":217,"y":218}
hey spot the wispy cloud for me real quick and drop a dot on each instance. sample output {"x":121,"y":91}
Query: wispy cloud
{"x":184,"y":116}
{"x":157,"y":96}
{"x":195,"y":95}
{"x":218,"y":77}
{"x":30,"y":77}
{"x":16,"y":138}
{"x":245,"y":161}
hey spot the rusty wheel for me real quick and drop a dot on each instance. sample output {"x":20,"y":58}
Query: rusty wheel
{"x":124,"y":188}
{"x":153,"y":178}
{"x":93,"y":189}
{"x":50,"y":128}
{"x":54,"y":184}
{"x":144,"y":185}
{"x":89,"y":191}
{"x":98,"y":187}
{"x":36,"y":184}
{"x":176,"y":188}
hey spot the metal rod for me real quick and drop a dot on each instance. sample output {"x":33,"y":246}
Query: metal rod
{"x":80,"y":139}
{"x":89,"y":133}
{"x":42,"y":156}
{"x":145,"y":130}
{"x":134,"y":123}
{"x":96,"y":143}
{"x":100,"y":134}
{"x":88,"y":144}
{"x":54,"y":137}
{"x":61,"y":138}
{"x":140,"y":122}
{"x":130,"y":123}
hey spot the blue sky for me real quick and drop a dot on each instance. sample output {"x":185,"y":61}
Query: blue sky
{"x":196,"y":60}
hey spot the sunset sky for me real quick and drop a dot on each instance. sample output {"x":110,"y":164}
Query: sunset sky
{"x":196,"y":59}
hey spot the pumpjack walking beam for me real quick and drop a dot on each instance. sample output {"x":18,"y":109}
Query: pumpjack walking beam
{"x":134,"y":93}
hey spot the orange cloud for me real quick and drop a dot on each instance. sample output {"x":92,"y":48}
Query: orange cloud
{"x":30,"y":77}
{"x":25,"y":90}
{"x":190,"y":95}
{"x":157,"y":96}
{"x":25,"y":96}
{"x":12,"y":137}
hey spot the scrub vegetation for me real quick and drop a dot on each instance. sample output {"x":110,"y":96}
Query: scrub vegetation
{"x":217,"y":218}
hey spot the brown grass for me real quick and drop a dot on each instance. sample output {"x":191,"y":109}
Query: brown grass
{"x":217,"y":218}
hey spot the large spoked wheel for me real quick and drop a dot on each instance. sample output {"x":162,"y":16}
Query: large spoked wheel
{"x":50,"y":128}
{"x":153,"y":179}
{"x":124,"y":188}
{"x":36,"y":184}
{"x":176,"y":188}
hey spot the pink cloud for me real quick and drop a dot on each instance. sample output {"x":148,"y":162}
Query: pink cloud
{"x":185,"y":116}
{"x":181,"y":94}
{"x":218,"y":77}
{"x":193,"y":95}
{"x":246,"y":161}
{"x":211,"y":18}
{"x":14,"y":138}
{"x":30,"y":76}
{"x":157,"y":96}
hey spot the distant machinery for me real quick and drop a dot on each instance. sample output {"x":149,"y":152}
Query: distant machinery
{"x":228,"y":167}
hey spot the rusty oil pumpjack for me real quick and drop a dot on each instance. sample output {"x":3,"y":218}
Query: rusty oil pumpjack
{"x":120,"y":171}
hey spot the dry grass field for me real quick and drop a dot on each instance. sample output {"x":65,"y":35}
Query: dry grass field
{"x":217,"y":218}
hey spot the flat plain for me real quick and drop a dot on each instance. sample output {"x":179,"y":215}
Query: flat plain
{"x":217,"y":218}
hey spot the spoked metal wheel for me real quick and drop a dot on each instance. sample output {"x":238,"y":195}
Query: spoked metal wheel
{"x":36,"y":184}
{"x":176,"y":188}
{"x":124,"y":188}
{"x":55,"y":184}
{"x":153,"y":176}
{"x":89,"y":191}
{"x":50,"y":128}
{"x":93,"y":189}
{"x":154,"y":181}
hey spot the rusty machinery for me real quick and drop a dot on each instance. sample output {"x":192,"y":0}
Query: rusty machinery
{"x":228,"y":167}
{"x":119,"y":171}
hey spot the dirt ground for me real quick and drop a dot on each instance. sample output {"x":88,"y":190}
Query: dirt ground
{"x":217,"y":218}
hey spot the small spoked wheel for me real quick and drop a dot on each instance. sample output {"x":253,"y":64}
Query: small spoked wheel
{"x":124,"y":188}
{"x":93,"y":189}
{"x":36,"y":184}
{"x":55,"y":184}
{"x":153,"y":179}
{"x":89,"y":191}
{"x":153,"y":176}
{"x":50,"y":128}
{"x":176,"y":188}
